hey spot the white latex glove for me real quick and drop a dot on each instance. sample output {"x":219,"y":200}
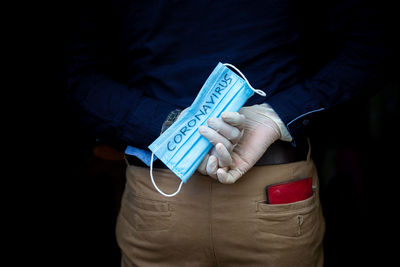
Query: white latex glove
{"x":234,"y":154}
{"x":223,"y":138}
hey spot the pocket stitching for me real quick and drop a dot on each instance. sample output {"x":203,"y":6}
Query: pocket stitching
{"x":265,"y":218}
{"x":273,"y":209}
{"x":130,"y":212}
{"x":165,"y":206}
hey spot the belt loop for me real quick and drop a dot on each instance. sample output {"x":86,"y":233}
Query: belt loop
{"x":126,"y":160}
{"x":309,"y":149}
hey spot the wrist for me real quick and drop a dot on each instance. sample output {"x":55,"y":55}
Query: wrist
{"x":271,"y":129}
{"x":271,"y":114}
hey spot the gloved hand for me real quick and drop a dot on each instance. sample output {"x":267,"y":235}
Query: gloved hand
{"x":240,"y":139}
{"x":224,"y":137}
{"x":228,"y":134}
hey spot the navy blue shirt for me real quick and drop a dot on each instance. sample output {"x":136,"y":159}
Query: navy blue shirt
{"x":130,"y":63}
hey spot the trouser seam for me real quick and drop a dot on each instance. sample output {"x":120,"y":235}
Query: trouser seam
{"x":210,"y":203}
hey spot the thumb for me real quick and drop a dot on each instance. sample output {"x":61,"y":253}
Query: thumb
{"x":229,"y":177}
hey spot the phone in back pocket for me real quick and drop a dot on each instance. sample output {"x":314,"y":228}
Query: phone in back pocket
{"x":289,"y":192}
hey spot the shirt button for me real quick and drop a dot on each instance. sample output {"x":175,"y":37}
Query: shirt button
{"x":306,"y":122}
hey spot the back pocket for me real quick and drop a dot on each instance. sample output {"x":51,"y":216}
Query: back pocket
{"x":292,"y":220}
{"x":145,"y":214}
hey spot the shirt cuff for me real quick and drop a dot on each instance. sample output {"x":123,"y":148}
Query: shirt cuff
{"x":143,"y":155}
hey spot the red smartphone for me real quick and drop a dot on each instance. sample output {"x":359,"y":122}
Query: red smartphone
{"x":289,"y":192}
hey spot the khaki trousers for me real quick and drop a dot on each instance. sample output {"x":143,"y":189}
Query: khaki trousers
{"x":212,"y":224}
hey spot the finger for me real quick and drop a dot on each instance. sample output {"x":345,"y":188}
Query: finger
{"x":223,"y":155}
{"x":234,"y":118}
{"x":230,"y":132}
{"x":215,"y":137}
{"x":212,"y":166}
{"x":203,"y":165}
{"x":228,"y":177}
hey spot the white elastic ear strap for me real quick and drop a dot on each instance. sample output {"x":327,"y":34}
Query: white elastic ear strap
{"x":156,"y":187}
{"x":257,"y":91}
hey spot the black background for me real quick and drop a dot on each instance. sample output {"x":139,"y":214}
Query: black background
{"x":68,"y":199}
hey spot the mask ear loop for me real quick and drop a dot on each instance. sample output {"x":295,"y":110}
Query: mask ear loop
{"x":257,"y":91}
{"x":156,"y":187}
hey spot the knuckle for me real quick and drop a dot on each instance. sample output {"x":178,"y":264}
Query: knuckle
{"x":212,"y":122}
{"x":235,"y":134}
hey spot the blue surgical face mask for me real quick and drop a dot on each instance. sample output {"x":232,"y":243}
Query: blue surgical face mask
{"x":181,"y":147}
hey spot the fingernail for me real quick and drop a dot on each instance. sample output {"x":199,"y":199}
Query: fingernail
{"x":213,"y":165}
{"x":219,"y":147}
{"x":211,"y":121}
{"x":202,"y":129}
{"x":219,"y":175}
{"x":227,"y":115}
{"x":213,"y":159}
